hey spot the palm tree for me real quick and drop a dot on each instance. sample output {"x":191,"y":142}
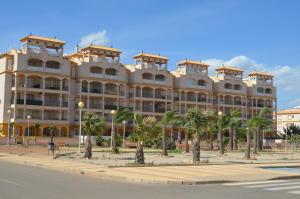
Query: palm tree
{"x":92,"y":124}
{"x":248,"y":148}
{"x":263,"y":123}
{"x":234,"y":119}
{"x":37,"y":128}
{"x":52,"y":130}
{"x":196,"y":124}
{"x":169,"y":118}
{"x":123,"y":114}
{"x":222,"y":123}
{"x":211,"y":127}
{"x":145,"y":127}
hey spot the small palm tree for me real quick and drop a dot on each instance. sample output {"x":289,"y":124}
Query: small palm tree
{"x":123,"y":114}
{"x":145,"y":127}
{"x":52,"y":130}
{"x":234,"y":119}
{"x":169,"y":118}
{"x":92,"y":124}
{"x":222,"y":123}
{"x":197,"y":121}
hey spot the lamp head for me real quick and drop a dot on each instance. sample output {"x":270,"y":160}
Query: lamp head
{"x":81,"y":104}
{"x":28,"y":117}
{"x":220,"y":113}
{"x":113,"y":112}
{"x":8,"y":111}
{"x":124,"y":122}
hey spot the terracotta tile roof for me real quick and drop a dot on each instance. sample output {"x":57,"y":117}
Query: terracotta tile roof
{"x":97,"y":47}
{"x":261,"y":73}
{"x":40,"y":38}
{"x":199,"y":63}
{"x":150,"y":56}
{"x":289,"y":111}
{"x":229,"y":68}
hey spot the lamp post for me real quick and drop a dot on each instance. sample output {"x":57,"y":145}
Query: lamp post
{"x":220,"y":136}
{"x":113,"y":113}
{"x":124,"y":132}
{"x":80,"y":105}
{"x":28,"y":128}
{"x":8,"y":127}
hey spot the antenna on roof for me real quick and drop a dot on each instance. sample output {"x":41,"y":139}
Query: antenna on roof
{"x":186,"y":59}
{"x":91,"y":43}
{"x":142,"y":52}
{"x":54,"y":37}
{"x":30,"y":33}
{"x":77,"y":48}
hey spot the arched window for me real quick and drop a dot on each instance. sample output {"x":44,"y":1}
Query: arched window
{"x":96,"y":70}
{"x":148,"y":76}
{"x":34,"y":82}
{"x":228,"y":86}
{"x":52,"y":64}
{"x":111,"y":71}
{"x":95,"y":87}
{"x":192,"y":82}
{"x":237,"y":87}
{"x":201,"y":82}
{"x":260,"y":90}
{"x":268,"y":91}
{"x":111,"y":89}
{"x":35,"y":62}
{"x":52,"y":83}
{"x":159,"y":77}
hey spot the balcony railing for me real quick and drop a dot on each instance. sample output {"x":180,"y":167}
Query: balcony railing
{"x":52,"y":103}
{"x":147,"y":95}
{"x":96,"y":90}
{"x":20,"y":101}
{"x":160,"y":96}
{"x":147,"y":108}
{"x":64,"y":104}
{"x":52,"y":87}
{"x":95,"y":105}
{"x":111,"y":92}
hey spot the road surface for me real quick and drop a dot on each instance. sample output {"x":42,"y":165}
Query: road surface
{"x":25,"y":182}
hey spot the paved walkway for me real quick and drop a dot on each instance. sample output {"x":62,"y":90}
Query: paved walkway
{"x":161,"y":174}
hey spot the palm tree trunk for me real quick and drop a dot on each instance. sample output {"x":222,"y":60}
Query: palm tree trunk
{"x":221,"y":147}
{"x":139,"y":154}
{"x":234,"y":136}
{"x":211,"y":142}
{"x":260,"y":141}
{"x":255,"y":141}
{"x":247,"y":154}
{"x":164,"y":142}
{"x":187,"y":148}
{"x":88,"y":148}
{"x":230,"y":139}
{"x":196,"y":148}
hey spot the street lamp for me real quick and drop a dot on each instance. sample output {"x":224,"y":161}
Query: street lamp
{"x":28,"y":126}
{"x":124,"y":129}
{"x":113,"y":113}
{"x":220,"y":135}
{"x":8,"y":126}
{"x":80,"y":105}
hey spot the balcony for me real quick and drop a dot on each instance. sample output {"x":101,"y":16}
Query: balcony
{"x":84,"y":89}
{"x":111,"y":92}
{"x":36,"y":68}
{"x":20,"y":101}
{"x":65,"y":104}
{"x":95,"y":90}
{"x":157,"y":96}
{"x":96,"y":105}
{"x":147,"y":108}
{"x":52,"y":103}
{"x":34,"y":102}
{"x":160,"y":110}
{"x":110,"y":107}
{"x":148,"y":94}
{"x":203,"y":100}
{"x":52,"y":87}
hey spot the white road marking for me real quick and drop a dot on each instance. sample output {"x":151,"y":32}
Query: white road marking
{"x":9,"y":182}
{"x":273,"y":185}
{"x":282,"y":188}
{"x":294,"y":192}
{"x":254,"y":182}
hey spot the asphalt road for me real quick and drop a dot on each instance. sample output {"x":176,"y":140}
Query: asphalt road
{"x":25,"y":182}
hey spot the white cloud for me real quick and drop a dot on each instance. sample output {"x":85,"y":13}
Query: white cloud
{"x":99,"y":38}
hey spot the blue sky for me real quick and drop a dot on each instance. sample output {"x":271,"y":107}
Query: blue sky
{"x":253,"y":34}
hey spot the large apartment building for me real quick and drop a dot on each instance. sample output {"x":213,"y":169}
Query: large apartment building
{"x":40,"y":81}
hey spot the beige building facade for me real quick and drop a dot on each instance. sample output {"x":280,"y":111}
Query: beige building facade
{"x":40,"y":81}
{"x":287,"y":117}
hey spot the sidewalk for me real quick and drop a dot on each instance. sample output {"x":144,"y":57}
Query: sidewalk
{"x":163,"y":174}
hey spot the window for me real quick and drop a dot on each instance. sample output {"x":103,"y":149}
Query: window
{"x":159,"y":77}
{"x":268,"y":91}
{"x":148,"y":76}
{"x":201,"y":82}
{"x":192,"y":82}
{"x":111,"y":71}
{"x":228,"y":86}
{"x":237,"y":87}
{"x":35,"y":62}
{"x":52,"y":64}
{"x":260,"y":90}
{"x":96,"y":70}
